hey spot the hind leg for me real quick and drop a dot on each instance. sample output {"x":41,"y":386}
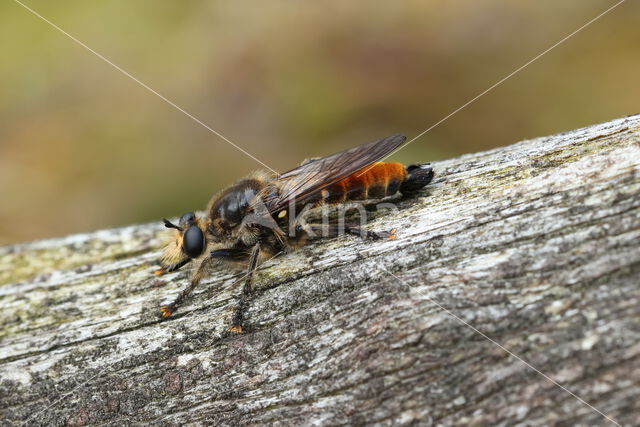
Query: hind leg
{"x":333,"y":230}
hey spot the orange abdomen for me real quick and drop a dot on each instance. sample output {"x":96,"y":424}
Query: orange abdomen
{"x":378,"y":180}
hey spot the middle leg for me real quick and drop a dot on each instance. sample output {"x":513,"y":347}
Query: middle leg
{"x":238,"y":316}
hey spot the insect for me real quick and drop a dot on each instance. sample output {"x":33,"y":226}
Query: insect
{"x":255,"y":218}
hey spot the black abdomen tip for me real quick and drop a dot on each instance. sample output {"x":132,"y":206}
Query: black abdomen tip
{"x":418,"y":176}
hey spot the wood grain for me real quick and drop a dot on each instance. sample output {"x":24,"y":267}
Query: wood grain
{"x":537,"y":245}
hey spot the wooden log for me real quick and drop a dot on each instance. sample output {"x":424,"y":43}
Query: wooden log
{"x":532,"y":248}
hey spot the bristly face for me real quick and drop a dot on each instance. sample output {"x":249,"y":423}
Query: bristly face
{"x":187,"y":240}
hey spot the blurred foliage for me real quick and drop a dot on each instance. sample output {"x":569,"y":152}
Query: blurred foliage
{"x":84,"y":147}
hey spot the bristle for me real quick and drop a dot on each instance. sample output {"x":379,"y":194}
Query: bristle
{"x":172,"y":252}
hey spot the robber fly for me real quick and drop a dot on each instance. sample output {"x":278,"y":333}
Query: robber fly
{"x":252,"y":219}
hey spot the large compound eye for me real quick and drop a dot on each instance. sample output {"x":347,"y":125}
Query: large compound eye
{"x":193,"y":242}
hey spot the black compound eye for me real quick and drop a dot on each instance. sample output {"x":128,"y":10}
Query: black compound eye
{"x":187,"y":219}
{"x":193,"y":242}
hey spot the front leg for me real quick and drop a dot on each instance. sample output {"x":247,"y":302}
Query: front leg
{"x":173,"y":267}
{"x":232,"y":254}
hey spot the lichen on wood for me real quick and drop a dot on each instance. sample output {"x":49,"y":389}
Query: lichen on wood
{"x":536,"y":245}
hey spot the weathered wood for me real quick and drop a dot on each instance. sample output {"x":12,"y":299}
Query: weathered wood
{"x":537,"y":245}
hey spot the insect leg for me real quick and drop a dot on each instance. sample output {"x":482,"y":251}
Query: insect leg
{"x":205,"y":264}
{"x":173,"y":267}
{"x":333,"y":230}
{"x":246,"y":291}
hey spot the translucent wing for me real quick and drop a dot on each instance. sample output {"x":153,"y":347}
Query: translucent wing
{"x":306,"y":181}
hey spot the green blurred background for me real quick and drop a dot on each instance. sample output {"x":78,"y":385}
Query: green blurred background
{"x":83,"y":147}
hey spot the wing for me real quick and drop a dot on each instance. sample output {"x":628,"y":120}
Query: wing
{"x":306,"y":181}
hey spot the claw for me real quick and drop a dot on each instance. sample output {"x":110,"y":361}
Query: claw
{"x":237,"y":329}
{"x":392,"y":233}
{"x":160,"y":271}
{"x":167,"y":310}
